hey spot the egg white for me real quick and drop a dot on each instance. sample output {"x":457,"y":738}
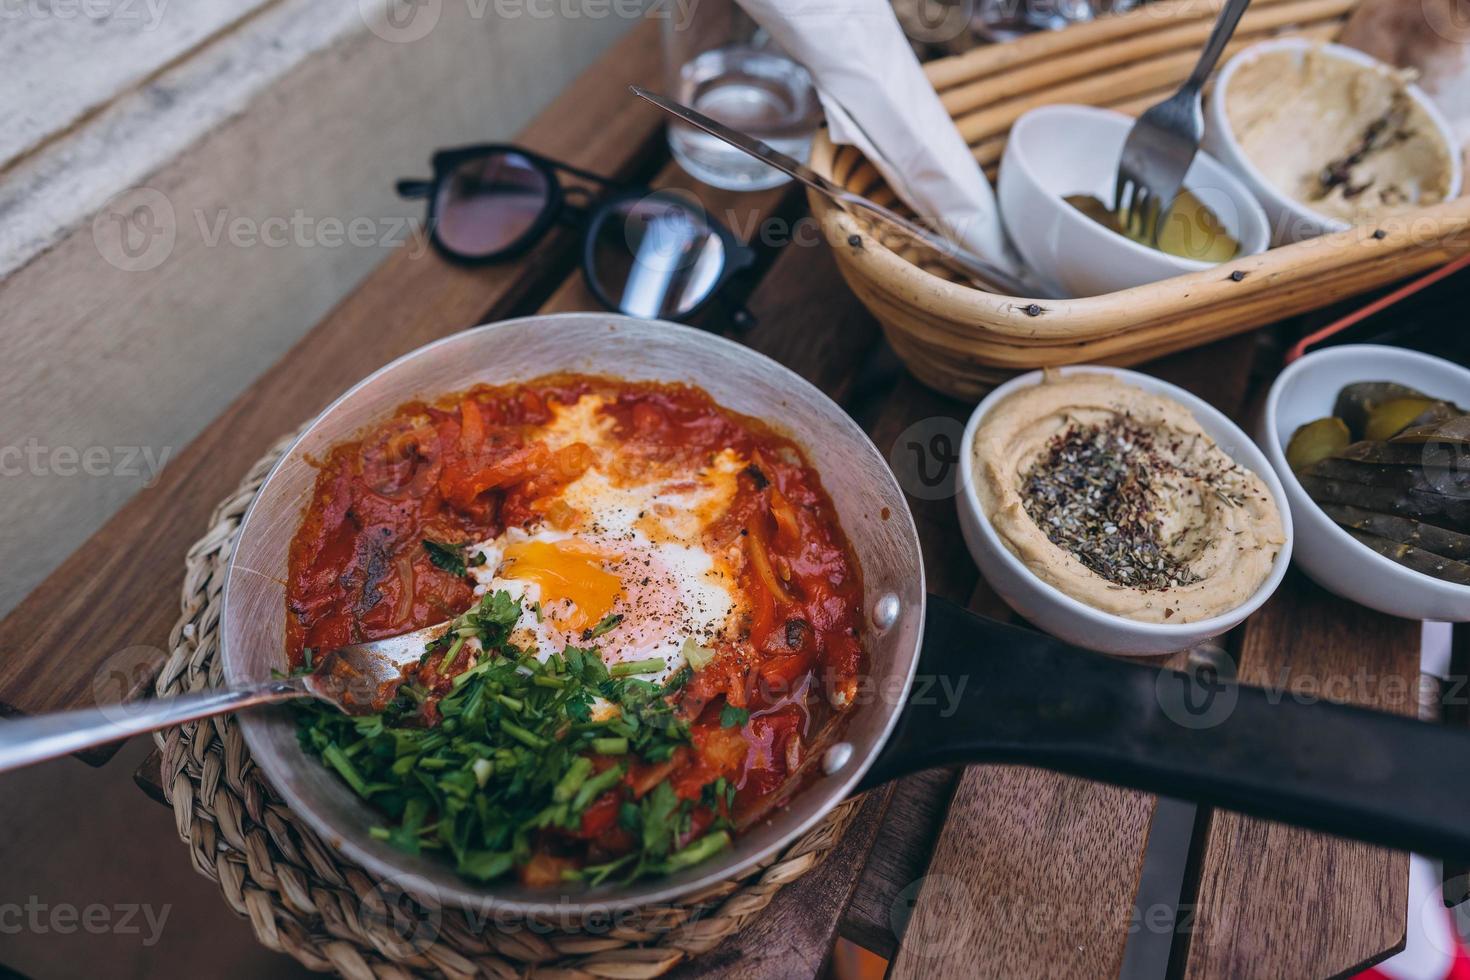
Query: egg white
{"x":650,"y":526}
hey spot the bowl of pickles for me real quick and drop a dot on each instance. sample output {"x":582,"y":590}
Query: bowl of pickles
{"x":1056,"y":188}
{"x":1372,"y":445}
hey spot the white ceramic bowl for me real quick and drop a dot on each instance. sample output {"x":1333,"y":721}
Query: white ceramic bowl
{"x":1058,"y":150}
{"x":1051,"y":609}
{"x":1307,"y":390}
{"x":1291,"y":221}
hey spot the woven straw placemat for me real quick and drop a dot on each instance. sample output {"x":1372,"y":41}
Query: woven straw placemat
{"x":304,"y":899}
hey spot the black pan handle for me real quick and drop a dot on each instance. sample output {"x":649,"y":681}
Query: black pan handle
{"x":988,"y":692}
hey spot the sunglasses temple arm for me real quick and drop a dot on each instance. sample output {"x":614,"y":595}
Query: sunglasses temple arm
{"x":584,"y":174}
{"x":413,"y":188}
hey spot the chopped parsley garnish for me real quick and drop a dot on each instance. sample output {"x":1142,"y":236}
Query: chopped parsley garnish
{"x":517,"y":754}
{"x":733,"y":717}
{"x":449,"y":557}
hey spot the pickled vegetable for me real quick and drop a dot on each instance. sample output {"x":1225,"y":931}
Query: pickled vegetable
{"x":1389,"y":418}
{"x":1189,"y":231}
{"x":1402,"y":489}
{"x":1437,"y":540}
{"x":1387,"y":453}
{"x":1433,"y":508}
{"x":1356,"y":401}
{"x":1446,"y":569}
{"x":1431,"y":480}
{"x":1316,"y":441}
{"x":1454,"y":431}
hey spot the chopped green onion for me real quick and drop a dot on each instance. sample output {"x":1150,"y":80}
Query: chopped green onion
{"x":572,"y":780}
{"x":706,"y":847}
{"x":649,"y":666}
{"x":595,"y":787}
{"x":451,"y":655}
{"x":339,"y":761}
{"x":524,"y":736}
{"x":607,"y":624}
{"x":493,"y":772}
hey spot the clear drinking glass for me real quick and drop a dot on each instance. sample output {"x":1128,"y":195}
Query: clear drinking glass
{"x":720,"y":62}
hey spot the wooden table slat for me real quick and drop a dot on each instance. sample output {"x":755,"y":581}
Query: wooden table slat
{"x":1303,"y":902}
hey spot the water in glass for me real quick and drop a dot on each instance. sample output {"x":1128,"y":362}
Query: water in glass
{"x":756,"y":90}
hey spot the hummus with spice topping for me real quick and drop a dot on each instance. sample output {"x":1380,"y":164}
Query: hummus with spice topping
{"x":1117,"y":497}
{"x":1341,"y":138}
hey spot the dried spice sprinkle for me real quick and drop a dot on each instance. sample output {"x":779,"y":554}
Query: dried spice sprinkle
{"x":1093,"y":493}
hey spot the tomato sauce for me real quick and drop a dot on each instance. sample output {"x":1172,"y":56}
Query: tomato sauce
{"x":468,"y":467}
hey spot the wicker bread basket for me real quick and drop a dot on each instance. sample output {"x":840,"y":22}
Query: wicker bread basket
{"x":963,"y":341}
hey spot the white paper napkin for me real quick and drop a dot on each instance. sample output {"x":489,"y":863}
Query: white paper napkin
{"x":878,"y":99}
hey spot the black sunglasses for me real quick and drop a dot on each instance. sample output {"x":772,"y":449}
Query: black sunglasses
{"x":645,"y":253}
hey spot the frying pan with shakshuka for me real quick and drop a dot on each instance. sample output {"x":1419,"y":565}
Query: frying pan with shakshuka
{"x":945,"y":686}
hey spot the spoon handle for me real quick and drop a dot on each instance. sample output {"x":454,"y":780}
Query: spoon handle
{"x":25,"y":741}
{"x":1230,"y":15}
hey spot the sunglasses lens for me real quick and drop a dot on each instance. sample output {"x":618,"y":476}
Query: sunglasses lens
{"x":656,"y":257}
{"x":487,"y":204}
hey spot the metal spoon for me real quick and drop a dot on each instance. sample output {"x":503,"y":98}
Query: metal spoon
{"x":358,"y":679}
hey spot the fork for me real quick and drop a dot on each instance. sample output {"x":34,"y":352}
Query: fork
{"x":1162,"y":143}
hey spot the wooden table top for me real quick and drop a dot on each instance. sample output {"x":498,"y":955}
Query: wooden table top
{"x":986,"y":871}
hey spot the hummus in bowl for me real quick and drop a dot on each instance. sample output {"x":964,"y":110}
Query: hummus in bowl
{"x":1329,"y":137}
{"x":1119,"y":512}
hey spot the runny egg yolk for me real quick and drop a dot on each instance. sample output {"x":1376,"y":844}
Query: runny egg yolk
{"x":567,"y":571}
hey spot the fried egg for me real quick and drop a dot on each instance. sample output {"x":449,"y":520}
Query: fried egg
{"x":621,"y":560}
